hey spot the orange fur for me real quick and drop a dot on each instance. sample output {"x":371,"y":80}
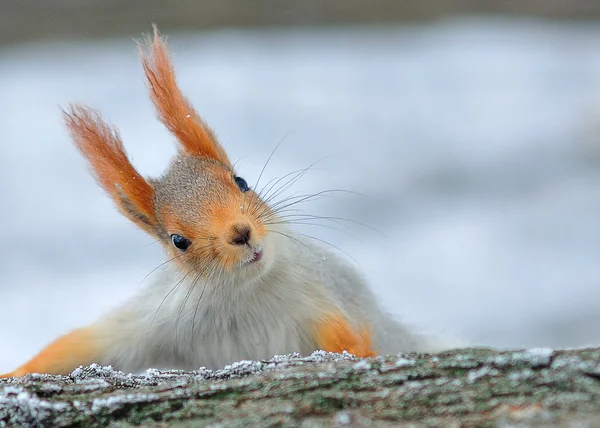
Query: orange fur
{"x":103,"y":148}
{"x":334,"y":334}
{"x":214,"y":237}
{"x":210,"y":228}
{"x":62,"y":356}
{"x":174,"y":110}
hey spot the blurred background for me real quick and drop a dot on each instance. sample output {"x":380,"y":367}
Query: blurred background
{"x":471,"y":128}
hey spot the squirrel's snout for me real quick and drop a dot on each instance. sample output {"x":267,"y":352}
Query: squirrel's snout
{"x":240,"y":234}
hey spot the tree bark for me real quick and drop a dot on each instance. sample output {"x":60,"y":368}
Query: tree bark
{"x":466,"y":387}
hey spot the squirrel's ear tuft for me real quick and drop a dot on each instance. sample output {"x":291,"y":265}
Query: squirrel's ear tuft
{"x":173,"y":109}
{"x":102,"y":147}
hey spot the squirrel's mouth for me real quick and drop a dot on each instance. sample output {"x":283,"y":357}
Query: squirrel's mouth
{"x":256,"y":256}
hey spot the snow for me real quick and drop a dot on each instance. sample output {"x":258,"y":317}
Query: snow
{"x":405,"y":362}
{"x":29,"y":409}
{"x":362,"y":365}
{"x":535,"y":357}
{"x":475,"y":375}
{"x":114,"y":402}
{"x":539,"y":357}
{"x":95,"y":373}
{"x":26,"y":407}
{"x":342,"y":419}
{"x":520,"y":376}
{"x":92,"y":371}
{"x":476,"y":142}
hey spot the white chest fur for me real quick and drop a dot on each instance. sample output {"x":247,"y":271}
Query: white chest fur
{"x":180,"y":324}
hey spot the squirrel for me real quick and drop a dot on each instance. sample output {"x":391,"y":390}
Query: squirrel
{"x":238,"y":284}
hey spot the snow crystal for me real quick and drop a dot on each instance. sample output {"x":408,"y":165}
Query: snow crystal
{"x":242,"y":367}
{"x":535,"y":357}
{"x":287,"y":408}
{"x":475,"y":375}
{"x":324,"y":356}
{"x":501,"y":360}
{"x":116,"y":401}
{"x":441,"y":381}
{"x":520,"y":375}
{"x":11,"y":390}
{"x":456,"y":382}
{"x":100,"y":377}
{"x":50,"y":388}
{"x":415,"y":384}
{"x":539,"y":357}
{"x":284,"y":358}
{"x":238,"y":369}
{"x":40,"y":376}
{"x":342,"y":419}
{"x":93,"y":370}
{"x":91,"y":385}
{"x":152,"y":373}
{"x":362,"y":365}
{"x":404,"y":362}
{"x":25,"y":408}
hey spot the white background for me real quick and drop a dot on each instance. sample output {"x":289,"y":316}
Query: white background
{"x":476,"y":143}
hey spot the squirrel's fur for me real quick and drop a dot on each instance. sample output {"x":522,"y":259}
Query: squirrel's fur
{"x":247,"y":287}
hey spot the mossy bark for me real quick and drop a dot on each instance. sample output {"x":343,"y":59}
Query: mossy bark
{"x":467,"y":387}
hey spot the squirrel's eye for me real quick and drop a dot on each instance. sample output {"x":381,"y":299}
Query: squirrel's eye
{"x":180,"y":242}
{"x":241,"y":183}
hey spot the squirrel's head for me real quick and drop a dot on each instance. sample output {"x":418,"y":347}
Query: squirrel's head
{"x":207,"y":217}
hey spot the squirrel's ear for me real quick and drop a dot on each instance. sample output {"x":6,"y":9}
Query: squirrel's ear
{"x":174,"y":110}
{"x":102,"y":147}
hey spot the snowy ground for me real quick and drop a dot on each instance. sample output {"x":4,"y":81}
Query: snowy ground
{"x":477,"y":143}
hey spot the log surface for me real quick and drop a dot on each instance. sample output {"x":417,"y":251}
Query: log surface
{"x":466,"y":387}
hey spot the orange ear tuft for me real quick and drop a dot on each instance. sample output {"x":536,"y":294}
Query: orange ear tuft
{"x":103,"y":148}
{"x":174,"y":110}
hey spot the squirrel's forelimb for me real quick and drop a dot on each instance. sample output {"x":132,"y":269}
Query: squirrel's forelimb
{"x":79,"y":347}
{"x":334,"y":334}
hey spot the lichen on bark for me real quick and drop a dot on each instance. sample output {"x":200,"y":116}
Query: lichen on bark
{"x":465,"y":387}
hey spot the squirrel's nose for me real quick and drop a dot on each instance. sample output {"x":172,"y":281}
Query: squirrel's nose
{"x":240,"y":234}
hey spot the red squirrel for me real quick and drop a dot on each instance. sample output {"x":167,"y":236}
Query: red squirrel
{"x":238,"y":283}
